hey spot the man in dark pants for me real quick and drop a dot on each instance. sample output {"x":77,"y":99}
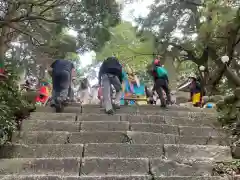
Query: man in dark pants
{"x":110,"y":74}
{"x":161,"y":82}
{"x":62,"y":73}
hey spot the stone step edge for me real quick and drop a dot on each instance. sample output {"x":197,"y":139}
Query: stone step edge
{"x":120,"y":158}
{"x":112,"y":176}
{"x":120,"y":176}
{"x":144,"y":123}
{"x":124,"y":132}
{"x":117,"y":114}
{"x":79,"y":144}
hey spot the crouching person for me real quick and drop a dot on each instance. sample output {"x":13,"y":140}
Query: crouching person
{"x":110,"y":74}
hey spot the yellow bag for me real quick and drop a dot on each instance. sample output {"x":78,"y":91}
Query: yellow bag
{"x":196,"y":98}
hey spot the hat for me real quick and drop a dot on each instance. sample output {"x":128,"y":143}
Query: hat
{"x":157,"y":62}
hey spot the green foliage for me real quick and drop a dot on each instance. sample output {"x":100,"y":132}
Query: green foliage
{"x":130,"y":49}
{"x":11,"y":106}
{"x":186,"y":68}
{"x":205,"y":30}
{"x":227,"y":168}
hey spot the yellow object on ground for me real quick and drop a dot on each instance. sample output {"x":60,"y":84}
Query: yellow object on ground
{"x":196,"y":98}
{"x":142,"y":102}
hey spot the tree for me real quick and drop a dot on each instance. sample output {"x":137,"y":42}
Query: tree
{"x":37,"y":21}
{"x":209,"y":29}
{"x":131,"y":49}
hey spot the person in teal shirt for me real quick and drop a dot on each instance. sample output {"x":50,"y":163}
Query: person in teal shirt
{"x":161,"y":81}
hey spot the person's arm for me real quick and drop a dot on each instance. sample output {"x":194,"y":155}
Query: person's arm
{"x":50,"y":69}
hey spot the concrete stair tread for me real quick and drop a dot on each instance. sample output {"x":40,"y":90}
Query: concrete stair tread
{"x":156,"y":119}
{"x":129,"y":110}
{"x":116,"y":177}
{"x":170,"y":151}
{"x":62,"y":137}
{"x":137,"y":143}
{"x":76,"y":126}
{"x":105,"y":166}
{"x":150,"y":107}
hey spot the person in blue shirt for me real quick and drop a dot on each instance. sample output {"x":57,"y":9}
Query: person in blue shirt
{"x":161,"y":82}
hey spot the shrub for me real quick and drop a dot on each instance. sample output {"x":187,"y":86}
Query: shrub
{"x":12,"y":106}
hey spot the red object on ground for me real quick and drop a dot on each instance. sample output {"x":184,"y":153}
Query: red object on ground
{"x":43,"y":94}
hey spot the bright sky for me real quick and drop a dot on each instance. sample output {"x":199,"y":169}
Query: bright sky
{"x":131,"y":10}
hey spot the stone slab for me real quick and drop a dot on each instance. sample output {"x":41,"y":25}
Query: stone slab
{"x":129,"y":137}
{"x":170,"y":120}
{"x":48,"y":125}
{"x":155,"y":128}
{"x":150,"y":138}
{"x":76,"y":110}
{"x":41,"y":137}
{"x":41,"y":151}
{"x":98,"y":117}
{"x":161,"y":167}
{"x":75,"y":177}
{"x":53,"y":116}
{"x":200,"y":131}
{"x":217,"y":153}
{"x":112,"y":166}
{"x":201,"y":140}
{"x":34,"y":177}
{"x":123,"y":150}
{"x":50,"y":166}
{"x":98,"y":137}
{"x":105,"y":126}
{"x":192,"y":178}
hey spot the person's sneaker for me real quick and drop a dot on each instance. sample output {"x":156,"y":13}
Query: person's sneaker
{"x":116,"y":106}
{"x":163,"y":106}
{"x":110,"y":112}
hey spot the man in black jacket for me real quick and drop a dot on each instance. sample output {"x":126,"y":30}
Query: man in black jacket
{"x":110,"y":73}
{"x":62,"y":74}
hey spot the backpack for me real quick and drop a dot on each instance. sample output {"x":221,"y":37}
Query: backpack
{"x":161,"y":72}
{"x":112,"y":64}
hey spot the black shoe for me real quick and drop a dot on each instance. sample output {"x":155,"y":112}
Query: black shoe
{"x":163,"y":106}
{"x":110,"y":112}
{"x":115,"y":106}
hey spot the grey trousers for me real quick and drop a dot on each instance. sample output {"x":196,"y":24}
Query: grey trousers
{"x":107,"y":81}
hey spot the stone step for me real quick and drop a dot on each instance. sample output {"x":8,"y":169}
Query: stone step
{"x":77,"y":126}
{"x":150,"y":107}
{"x":105,"y":166}
{"x":129,"y":110}
{"x":49,"y":166}
{"x":62,"y":137}
{"x":169,"y":151}
{"x":116,"y":177}
{"x":151,"y":110}
{"x":54,"y":116}
{"x":155,"y":119}
{"x":144,"y":166}
{"x":41,"y":151}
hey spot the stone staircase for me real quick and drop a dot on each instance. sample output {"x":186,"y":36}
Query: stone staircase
{"x":138,"y":143}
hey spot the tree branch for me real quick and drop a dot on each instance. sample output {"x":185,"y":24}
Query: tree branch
{"x":190,"y":54}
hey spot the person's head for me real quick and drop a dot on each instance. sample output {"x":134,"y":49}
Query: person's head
{"x":157,"y":62}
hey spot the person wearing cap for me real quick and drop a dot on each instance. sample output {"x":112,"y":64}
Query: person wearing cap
{"x":160,"y":76}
